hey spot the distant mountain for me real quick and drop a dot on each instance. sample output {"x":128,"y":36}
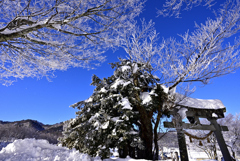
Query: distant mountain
{"x":30,"y":129}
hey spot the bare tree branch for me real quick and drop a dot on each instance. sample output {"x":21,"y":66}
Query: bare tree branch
{"x":37,"y":36}
{"x":174,"y":7}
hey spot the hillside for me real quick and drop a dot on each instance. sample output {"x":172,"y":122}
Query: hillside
{"x":30,"y":129}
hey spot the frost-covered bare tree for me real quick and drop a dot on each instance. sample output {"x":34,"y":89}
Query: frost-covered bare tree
{"x":38,"y":36}
{"x":174,"y":7}
{"x":208,"y":52}
{"x":141,"y":43}
{"x":232,"y":136}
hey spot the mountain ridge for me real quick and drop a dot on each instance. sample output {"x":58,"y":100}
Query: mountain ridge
{"x":30,"y":129}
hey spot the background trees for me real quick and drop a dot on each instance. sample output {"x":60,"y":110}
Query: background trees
{"x":39,"y":36}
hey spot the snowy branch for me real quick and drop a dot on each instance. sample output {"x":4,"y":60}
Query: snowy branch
{"x":38,"y":36}
{"x":206,"y":53}
{"x":174,"y":7}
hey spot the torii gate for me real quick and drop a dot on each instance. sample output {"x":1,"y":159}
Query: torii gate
{"x":194,"y":109}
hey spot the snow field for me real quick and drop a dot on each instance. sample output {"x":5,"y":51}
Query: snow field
{"x":41,"y":150}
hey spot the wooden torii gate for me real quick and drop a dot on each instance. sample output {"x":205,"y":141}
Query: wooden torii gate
{"x":194,"y":109}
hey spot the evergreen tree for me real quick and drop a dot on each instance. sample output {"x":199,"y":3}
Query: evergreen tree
{"x":119,"y":113}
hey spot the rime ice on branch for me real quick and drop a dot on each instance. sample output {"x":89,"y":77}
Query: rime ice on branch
{"x":40,"y":36}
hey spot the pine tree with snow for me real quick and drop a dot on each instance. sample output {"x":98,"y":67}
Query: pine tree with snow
{"x":119,"y":113}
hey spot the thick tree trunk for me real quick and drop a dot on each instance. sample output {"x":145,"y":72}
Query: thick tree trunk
{"x":147,"y":137}
{"x":145,"y":127}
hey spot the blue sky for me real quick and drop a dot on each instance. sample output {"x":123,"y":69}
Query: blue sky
{"x":49,"y":102}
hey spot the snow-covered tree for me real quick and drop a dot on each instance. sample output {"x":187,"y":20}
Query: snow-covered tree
{"x":119,"y":113}
{"x":40,"y":36}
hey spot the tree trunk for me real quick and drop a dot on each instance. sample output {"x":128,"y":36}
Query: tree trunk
{"x":145,"y":127}
{"x":123,"y":152}
{"x":146,"y":135}
{"x":131,"y":151}
{"x":147,"y":138}
{"x":156,"y":135}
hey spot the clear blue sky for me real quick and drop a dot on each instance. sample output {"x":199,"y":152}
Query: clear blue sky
{"x":49,"y":102}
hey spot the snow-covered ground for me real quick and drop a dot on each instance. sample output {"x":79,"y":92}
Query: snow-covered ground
{"x":38,"y":150}
{"x":41,"y":150}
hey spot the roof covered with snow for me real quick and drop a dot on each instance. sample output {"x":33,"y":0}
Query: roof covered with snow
{"x":182,"y":100}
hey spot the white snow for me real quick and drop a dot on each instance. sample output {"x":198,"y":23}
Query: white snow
{"x":124,"y":68}
{"x":34,"y":150}
{"x":105,"y":125}
{"x":126,"y":104}
{"x":165,"y":89}
{"x":96,"y":115}
{"x":155,"y":77}
{"x":103,"y":90}
{"x":41,"y":150}
{"x":198,"y":103}
{"x":135,"y":67}
{"x":22,"y":28}
{"x":88,"y":100}
{"x":116,"y":119}
{"x":145,"y":97}
{"x":182,"y":112}
{"x":63,"y":7}
{"x":214,"y":115}
{"x":119,"y":82}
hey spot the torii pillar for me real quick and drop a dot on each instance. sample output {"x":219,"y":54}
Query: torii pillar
{"x":220,"y":140}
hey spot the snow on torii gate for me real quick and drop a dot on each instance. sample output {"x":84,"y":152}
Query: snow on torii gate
{"x":194,"y":109}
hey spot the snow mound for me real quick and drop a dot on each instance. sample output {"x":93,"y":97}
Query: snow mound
{"x":38,"y":150}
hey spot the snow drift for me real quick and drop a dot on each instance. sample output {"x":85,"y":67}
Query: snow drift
{"x":38,"y":150}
